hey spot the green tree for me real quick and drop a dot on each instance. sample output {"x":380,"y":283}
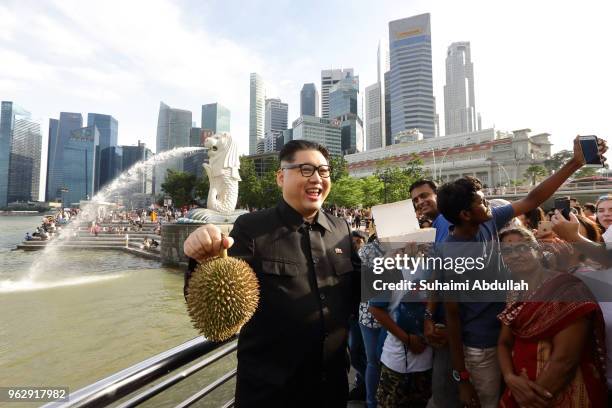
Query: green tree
{"x":270,"y":192}
{"x":259,"y":191}
{"x":179,"y":185}
{"x":339,"y":168}
{"x":585,"y":172}
{"x":557,"y":160}
{"x":346,"y":192}
{"x":397,"y":179}
{"x":201,"y":188}
{"x":249,"y":189}
{"x":535,"y":172}
{"x":372,"y":188}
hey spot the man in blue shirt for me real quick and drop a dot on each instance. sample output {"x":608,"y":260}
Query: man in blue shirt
{"x":473,"y":327}
{"x":423,"y":193}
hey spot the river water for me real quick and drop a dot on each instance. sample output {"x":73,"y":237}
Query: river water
{"x":87,"y":315}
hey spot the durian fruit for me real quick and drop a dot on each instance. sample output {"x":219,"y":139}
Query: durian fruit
{"x":223,"y":295}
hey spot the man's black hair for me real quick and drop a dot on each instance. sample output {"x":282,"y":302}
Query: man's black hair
{"x":423,"y":182}
{"x":456,"y":196}
{"x":360,"y":234}
{"x":288,"y":151}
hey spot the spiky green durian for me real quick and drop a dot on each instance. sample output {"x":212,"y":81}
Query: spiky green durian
{"x":223,"y":295}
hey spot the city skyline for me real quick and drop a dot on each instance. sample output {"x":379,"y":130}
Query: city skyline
{"x":522,"y":73}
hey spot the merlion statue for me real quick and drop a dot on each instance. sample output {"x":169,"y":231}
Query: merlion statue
{"x":222,"y":172}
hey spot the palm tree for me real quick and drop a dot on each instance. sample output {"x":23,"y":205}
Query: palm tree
{"x":535,"y":172}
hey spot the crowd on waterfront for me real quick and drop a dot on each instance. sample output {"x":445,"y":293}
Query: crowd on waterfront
{"x":109,"y":221}
{"x":403,"y":352}
{"x":51,"y":225}
{"x":118,"y":221}
{"x":546,"y":346}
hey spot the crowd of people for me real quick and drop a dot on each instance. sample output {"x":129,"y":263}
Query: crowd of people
{"x":355,"y":217}
{"x":51,"y":225}
{"x":546,"y":346}
{"x":113,"y":221}
{"x":116,"y":219}
{"x":522,"y":353}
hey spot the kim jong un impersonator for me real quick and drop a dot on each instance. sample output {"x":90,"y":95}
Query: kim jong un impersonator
{"x":292,"y":352}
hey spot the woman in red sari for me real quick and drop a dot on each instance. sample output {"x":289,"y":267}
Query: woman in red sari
{"x":552,"y":344}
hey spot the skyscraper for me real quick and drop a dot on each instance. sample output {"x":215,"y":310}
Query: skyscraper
{"x":343,"y":111}
{"x":59,"y":134}
{"x":215,"y":117}
{"x":173,"y":130}
{"x":309,"y":100}
{"x":144,"y":175}
{"x":79,"y":164}
{"x":173,"y":127}
{"x":109,"y":165}
{"x":343,"y":97}
{"x":275,"y":123}
{"x":330,"y":77}
{"x":374,"y":116}
{"x":411,"y":85}
{"x":387,"y":92}
{"x":375,"y":102}
{"x":8,"y":113}
{"x":108,"y":128}
{"x":256,"y":111}
{"x":459,"y":102}
{"x":318,"y":130}
{"x":193,"y":161}
{"x":24,"y":172}
{"x":20,"y":145}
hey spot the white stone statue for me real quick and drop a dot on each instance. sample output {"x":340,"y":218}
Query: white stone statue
{"x":222,"y":171}
{"x":223,"y":175}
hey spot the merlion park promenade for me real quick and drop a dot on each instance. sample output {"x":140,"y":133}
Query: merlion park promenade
{"x":285,"y":204}
{"x":92,"y":272}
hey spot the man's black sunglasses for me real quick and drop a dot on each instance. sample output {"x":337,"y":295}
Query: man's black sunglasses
{"x":308,"y":170}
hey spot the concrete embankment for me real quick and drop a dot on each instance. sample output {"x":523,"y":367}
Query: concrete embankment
{"x":84,"y":239}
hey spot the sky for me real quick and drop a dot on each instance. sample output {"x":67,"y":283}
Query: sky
{"x":540,"y":64}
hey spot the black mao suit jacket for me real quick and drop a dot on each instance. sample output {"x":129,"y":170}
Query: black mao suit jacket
{"x":292,"y":353}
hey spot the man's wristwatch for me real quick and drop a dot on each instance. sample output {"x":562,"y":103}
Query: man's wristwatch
{"x":460,"y":376}
{"x":427,"y":315}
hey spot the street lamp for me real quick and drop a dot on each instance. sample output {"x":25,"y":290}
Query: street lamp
{"x":383,"y":176}
{"x":442,"y":162}
{"x":433,"y":152}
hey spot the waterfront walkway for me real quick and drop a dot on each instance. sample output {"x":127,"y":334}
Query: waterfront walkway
{"x":84,"y":239}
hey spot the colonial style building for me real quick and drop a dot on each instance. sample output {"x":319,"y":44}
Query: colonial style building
{"x":496,"y":157}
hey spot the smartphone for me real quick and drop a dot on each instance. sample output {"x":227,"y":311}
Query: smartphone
{"x":563,"y":205}
{"x":590,"y":152}
{"x":440,"y":326}
{"x":544,"y":228}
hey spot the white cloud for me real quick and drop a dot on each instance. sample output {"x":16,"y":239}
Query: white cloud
{"x":122,"y":58}
{"x":540,"y":64}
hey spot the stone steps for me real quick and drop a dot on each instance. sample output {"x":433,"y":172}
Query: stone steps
{"x":115,"y":237}
{"x":148,"y":254}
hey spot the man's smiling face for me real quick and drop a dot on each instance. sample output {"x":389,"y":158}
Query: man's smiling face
{"x":305,"y":194}
{"x":424,"y":200}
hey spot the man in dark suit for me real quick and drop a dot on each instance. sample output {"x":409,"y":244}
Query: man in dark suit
{"x":292,"y":353}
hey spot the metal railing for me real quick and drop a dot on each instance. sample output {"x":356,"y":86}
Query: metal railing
{"x":140,"y":376}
